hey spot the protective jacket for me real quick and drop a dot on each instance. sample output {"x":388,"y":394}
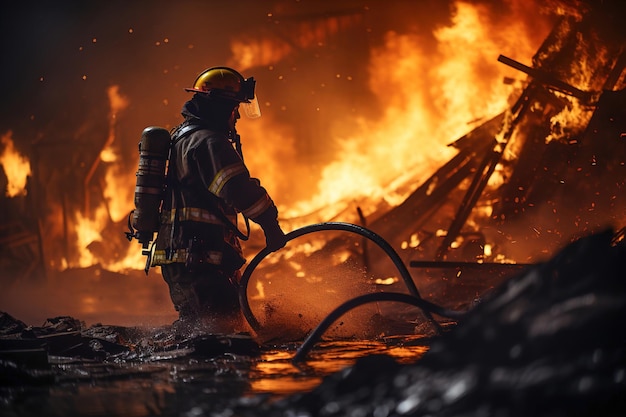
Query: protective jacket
{"x":208,"y":184}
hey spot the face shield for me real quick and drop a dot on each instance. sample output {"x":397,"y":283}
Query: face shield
{"x":251,"y":109}
{"x":251,"y":106}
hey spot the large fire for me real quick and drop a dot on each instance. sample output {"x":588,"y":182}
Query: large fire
{"x":424,"y":91}
{"x":428,"y":100}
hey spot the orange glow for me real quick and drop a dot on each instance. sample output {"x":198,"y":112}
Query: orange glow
{"x":118,"y":201}
{"x":428,"y":100}
{"x":16,"y":167}
{"x":329,"y":358}
{"x":265,"y":51}
{"x":573,"y":115}
{"x":375,"y":123}
{"x":87,"y":232}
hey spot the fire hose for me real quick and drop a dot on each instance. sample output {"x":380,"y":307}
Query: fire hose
{"x":314,"y":336}
{"x":413,"y":298}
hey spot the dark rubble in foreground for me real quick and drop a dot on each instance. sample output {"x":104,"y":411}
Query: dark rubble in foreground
{"x":548,"y":342}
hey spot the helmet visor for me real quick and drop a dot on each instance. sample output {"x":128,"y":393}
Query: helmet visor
{"x":251,"y":108}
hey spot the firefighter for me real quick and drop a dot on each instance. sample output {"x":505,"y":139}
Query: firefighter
{"x":198,"y":243}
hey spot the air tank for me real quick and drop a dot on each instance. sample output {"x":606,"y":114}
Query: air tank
{"x":154,"y":148}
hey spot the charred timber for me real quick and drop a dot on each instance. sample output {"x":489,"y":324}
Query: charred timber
{"x":548,"y":80}
{"x":485,"y":169}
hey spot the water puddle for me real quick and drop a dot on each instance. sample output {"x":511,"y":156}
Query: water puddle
{"x":275,"y":374}
{"x":179,"y":384}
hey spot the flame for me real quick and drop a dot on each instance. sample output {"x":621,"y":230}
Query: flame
{"x":256,"y":52}
{"x":262,"y":51}
{"x":575,"y":115}
{"x":117,"y":192}
{"x":16,"y":167}
{"x":132,"y":260}
{"x":117,"y":202}
{"x":429,"y":100}
{"x":88,"y":232}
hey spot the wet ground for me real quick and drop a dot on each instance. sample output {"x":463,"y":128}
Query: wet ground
{"x":548,"y":341}
{"x":185,"y":381}
{"x":81,"y":376}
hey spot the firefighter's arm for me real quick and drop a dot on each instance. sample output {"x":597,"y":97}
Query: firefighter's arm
{"x":232,"y":183}
{"x":274,"y":236}
{"x":260,"y":209}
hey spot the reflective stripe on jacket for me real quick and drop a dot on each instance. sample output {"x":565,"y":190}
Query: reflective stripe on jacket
{"x":206,"y":175}
{"x":163,"y":257}
{"x":193,"y":214}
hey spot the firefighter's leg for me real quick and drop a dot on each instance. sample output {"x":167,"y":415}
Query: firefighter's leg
{"x":219,"y":293}
{"x":183,"y":291}
{"x":220,"y":303}
{"x":212,"y":294}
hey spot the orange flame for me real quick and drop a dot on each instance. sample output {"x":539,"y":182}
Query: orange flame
{"x":117,"y":192}
{"x":429,"y":98}
{"x":88,"y":232}
{"x":118,"y":198}
{"x":429,"y":101}
{"x":16,"y":167}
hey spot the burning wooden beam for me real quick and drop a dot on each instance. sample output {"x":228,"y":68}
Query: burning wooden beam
{"x":548,"y":80}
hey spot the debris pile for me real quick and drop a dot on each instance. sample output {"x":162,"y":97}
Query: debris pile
{"x":547,"y":170}
{"x":32,"y":355}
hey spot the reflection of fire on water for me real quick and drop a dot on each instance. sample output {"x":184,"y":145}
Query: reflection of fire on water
{"x":427,"y":96}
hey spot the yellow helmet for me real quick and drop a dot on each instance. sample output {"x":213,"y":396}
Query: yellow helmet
{"x":224,"y":83}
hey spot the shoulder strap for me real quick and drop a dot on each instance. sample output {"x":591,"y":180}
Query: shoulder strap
{"x":183,"y":130}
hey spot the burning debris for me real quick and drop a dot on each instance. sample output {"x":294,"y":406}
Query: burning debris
{"x":546,"y":171}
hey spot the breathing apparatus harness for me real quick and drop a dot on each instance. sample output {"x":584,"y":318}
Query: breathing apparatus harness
{"x":153,"y":180}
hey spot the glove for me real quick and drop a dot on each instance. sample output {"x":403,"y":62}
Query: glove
{"x":274,"y":238}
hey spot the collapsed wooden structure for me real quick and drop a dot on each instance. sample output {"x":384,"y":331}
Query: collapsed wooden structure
{"x":580,"y":164}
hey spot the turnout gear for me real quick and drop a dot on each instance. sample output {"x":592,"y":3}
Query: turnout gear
{"x":197,"y":245}
{"x":207,"y":185}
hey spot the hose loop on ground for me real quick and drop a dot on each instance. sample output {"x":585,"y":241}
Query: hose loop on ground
{"x":316,"y":334}
{"x":348,"y":227}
